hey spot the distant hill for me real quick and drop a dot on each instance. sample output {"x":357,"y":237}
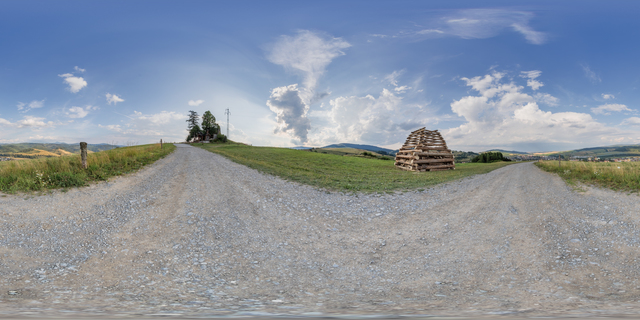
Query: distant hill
{"x":506,"y":151}
{"x":362,"y":147}
{"x":37,"y":150}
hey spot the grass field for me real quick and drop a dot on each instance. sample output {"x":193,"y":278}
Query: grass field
{"x":67,"y":171}
{"x":338,"y":173}
{"x":615,"y":175}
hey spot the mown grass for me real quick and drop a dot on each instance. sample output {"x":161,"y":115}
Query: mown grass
{"x":341,"y":173}
{"x":67,"y":171}
{"x":624,"y":176}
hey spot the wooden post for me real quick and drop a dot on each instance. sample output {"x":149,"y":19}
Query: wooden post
{"x":160,"y":143}
{"x":83,"y":154}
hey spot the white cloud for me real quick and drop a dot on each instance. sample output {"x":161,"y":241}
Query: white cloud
{"x":307,"y":52}
{"x":35,"y":104}
{"x":606,"y":109}
{"x":592,"y":76}
{"x":5,"y":122}
{"x":503,"y":115}
{"x":487,"y":23}
{"x":76,"y":68}
{"x":531,"y":76}
{"x":401,"y":89}
{"x":163,"y":117}
{"x":607,"y":96}
{"x":113,"y":98}
{"x":546,"y":99}
{"x":78,"y":112}
{"x":75,"y":83}
{"x":534,"y":37}
{"x":112,"y":127}
{"x":393,"y":77}
{"x":30,"y":121}
{"x":195,"y":103}
{"x":291,"y":112}
{"x":633,"y":121}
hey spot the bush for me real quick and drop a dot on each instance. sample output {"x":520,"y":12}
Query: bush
{"x":488,"y":157}
{"x":220,"y":138}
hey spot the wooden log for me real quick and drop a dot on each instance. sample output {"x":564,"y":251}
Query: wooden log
{"x":430,"y":154}
{"x":439,"y":167}
{"x":83,"y":154}
{"x":448,"y":160}
{"x":406,"y":156}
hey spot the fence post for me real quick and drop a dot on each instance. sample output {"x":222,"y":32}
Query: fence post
{"x":160,"y":143}
{"x":83,"y":154}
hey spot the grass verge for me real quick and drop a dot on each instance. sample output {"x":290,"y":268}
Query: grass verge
{"x":67,"y":171}
{"x":623,"y":176}
{"x":341,"y":173}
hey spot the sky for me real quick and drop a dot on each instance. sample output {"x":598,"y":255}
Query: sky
{"x":516,"y":75}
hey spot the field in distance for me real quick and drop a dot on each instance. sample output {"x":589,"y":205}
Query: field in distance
{"x":17,"y":151}
{"x":341,"y":173}
{"x":66,"y":172}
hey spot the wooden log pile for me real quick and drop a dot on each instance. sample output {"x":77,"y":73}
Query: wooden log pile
{"x":425,"y":150}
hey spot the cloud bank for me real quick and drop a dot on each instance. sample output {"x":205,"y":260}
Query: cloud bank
{"x":502,"y":114}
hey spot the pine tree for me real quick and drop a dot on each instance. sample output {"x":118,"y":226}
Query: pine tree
{"x":193,"y":120}
{"x":209,"y":123}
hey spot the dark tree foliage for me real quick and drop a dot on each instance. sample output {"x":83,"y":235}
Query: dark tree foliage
{"x":194,"y":132}
{"x":487,"y":157}
{"x":209,"y":123}
{"x":193,"y":120}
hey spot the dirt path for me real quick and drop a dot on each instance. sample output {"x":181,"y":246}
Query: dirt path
{"x":198,"y":234}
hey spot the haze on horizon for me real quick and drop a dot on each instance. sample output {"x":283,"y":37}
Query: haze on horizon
{"x":527,"y":76}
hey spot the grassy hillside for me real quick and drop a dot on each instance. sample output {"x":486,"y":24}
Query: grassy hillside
{"x":66,"y":172}
{"x":335,"y":172}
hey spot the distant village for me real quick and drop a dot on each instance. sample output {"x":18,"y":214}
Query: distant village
{"x":5,"y":159}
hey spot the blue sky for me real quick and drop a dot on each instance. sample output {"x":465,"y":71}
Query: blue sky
{"x":522,"y":75}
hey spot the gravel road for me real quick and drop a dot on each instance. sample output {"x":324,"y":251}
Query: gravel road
{"x":196,"y":234}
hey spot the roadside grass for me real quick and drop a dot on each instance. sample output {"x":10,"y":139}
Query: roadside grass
{"x":66,"y":171}
{"x":341,"y":173}
{"x":623,"y":176}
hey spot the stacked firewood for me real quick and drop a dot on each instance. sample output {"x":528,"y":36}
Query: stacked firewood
{"x":425,"y":150}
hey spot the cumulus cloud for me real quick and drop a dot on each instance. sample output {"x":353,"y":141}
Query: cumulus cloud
{"x":75,"y":83}
{"x":35,"y":104}
{"x":364,"y":118}
{"x":195,"y":103}
{"x":501,"y":114}
{"x":291,"y":112}
{"x":113,"y":98}
{"x":76,"y":68}
{"x":78,"y":112}
{"x":35,"y":122}
{"x":308,"y":53}
{"x":592,"y":76}
{"x":606,"y":109}
{"x":607,"y":96}
{"x":163,"y":117}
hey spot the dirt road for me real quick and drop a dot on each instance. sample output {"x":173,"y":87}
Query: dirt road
{"x":197,"y":234}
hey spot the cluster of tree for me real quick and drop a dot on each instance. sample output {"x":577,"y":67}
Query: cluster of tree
{"x":487,"y":157}
{"x":209,"y":129}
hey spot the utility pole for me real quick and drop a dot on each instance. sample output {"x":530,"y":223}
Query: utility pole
{"x":226,"y":111}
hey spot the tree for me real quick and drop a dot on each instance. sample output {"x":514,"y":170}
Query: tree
{"x":193,"y":120}
{"x":194,"y":132}
{"x":209,"y":123}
